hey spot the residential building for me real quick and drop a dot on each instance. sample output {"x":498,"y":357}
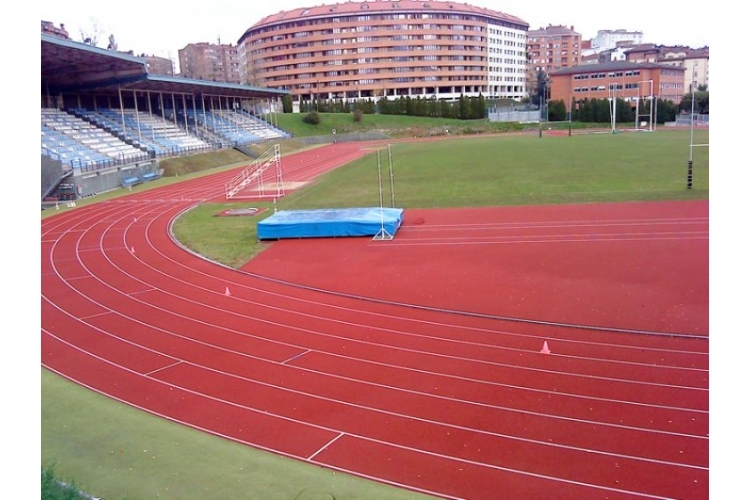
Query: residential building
{"x":618,"y":79}
{"x":159,"y":65}
{"x":610,"y":39}
{"x":696,"y":69}
{"x":359,"y":50}
{"x":588,"y":56}
{"x":695,"y":61}
{"x":609,"y":45}
{"x":214,"y":62}
{"x":551,"y":49}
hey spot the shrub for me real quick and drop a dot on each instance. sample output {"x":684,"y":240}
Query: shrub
{"x":313,"y":118}
{"x":53,"y":488}
{"x":357,"y":115}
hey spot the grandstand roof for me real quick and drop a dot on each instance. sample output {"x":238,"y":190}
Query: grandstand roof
{"x":74,"y":67}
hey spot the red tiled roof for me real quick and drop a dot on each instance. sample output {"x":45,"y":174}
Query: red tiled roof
{"x":380,"y":6}
{"x":553,"y":30}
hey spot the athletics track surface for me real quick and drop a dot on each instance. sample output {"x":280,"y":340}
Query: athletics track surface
{"x":416,"y":361}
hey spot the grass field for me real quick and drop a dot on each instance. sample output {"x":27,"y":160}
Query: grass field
{"x":117,"y":452}
{"x":482,"y":171}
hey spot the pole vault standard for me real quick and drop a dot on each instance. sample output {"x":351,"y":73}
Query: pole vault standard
{"x":383,"y":234}
{"x":390,"y":166}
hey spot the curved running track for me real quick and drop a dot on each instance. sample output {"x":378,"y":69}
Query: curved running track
{"x":399,"y":387}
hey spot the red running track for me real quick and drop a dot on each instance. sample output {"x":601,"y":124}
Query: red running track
{"x":415,"y":362}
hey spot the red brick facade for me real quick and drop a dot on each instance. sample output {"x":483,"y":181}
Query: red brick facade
{"x":619,"y":79}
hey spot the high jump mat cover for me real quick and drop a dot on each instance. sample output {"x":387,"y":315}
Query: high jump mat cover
{"x":330,"y":223}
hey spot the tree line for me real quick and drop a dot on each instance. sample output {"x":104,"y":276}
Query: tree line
{"x":600,"y":111}
{"x":474,"y":108}
{"x":465,"y":108}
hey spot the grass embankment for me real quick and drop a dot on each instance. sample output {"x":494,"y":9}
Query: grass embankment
{"x":397,"y":126}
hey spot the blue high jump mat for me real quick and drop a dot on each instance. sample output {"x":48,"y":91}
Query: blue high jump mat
{"x":330,"y":223}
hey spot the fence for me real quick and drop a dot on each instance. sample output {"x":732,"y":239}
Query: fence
{"x":509,"y":115}
{"x":698,"y":120}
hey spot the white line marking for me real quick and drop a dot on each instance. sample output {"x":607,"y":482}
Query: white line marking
{"x":322,"y":448}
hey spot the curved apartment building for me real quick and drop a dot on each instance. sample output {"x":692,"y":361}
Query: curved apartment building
{"x":368,"y":49}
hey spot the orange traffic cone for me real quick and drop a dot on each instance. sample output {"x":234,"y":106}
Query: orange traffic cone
{"x":545,"y":348}
{"x":132,"y":249}
{"x":226,"y":292}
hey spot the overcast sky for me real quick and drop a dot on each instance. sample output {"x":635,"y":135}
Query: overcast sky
{"x":162,"y":27}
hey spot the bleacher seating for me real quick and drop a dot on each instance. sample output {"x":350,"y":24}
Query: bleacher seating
{"x":79,"y":144}
{"x":260,"y":127}
{"x":234,"y":127}
{"x":155,"y":134}
{"x":93,"y":139}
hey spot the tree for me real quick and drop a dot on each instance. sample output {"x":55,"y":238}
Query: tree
{"x":477,"y":108}
{"x":445,"y":109}
{"x":286,"y":103}
{"x":420,"y":107}
{"x":91,"y":37}
{"x":595,"y":111}
{"x":557,"y":111}
{"x":463,"y":108}
{"x":369,"y":106}
{"x":666,"y":111}
{"x":701,"y":102}
{"x":624,"y":111}
{"x":540,"y":89}
{"x":433,"y":107}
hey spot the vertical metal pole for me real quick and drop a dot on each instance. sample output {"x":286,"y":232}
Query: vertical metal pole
{"x":380,"y":188}
{"x":652,"y":115}
{"x":692,"y":120}
{"x":570,"y":118}
{"x":122,"y":110}
{"x":380,"y":185}
{"x":393,"y":192}
{"x":137,"y":117}
{"x":151,"y":115}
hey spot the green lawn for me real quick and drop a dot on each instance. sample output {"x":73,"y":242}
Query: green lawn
{"x":117,"y":452}
{"x":344,"y":123}
{"x":481,"y":171}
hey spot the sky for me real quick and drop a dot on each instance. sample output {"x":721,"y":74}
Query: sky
{"x":163,"y":27}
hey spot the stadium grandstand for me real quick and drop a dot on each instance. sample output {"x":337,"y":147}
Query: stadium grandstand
{"x":106,"y":122}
